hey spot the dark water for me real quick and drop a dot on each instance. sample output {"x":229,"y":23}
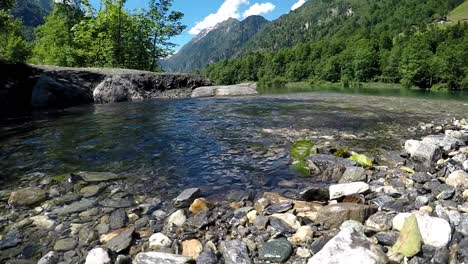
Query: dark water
{"x":217,"y":143}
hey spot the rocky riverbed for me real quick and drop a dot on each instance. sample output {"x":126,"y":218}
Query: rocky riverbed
{"x":408,"y":207}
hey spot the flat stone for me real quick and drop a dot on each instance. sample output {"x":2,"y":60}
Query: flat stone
{"x":51,"y":257}
{"x":87,"y":235}
{"x":118,"y":219}
{"x":353,"y":174}
{"x":97,"y":176}
{"x":160,"y":258}
{"x":349,"y":247}
{"x":458,"y":178}
{"x":185,"y":198}
{"x":122,"y":241}
{"x":280,"y":226}
{"x":75,"y":207}
{"x":289,"y":219}
{"x":344,"y":189}
{"x":116,"y":203}
{"x":279,"y":207}
{"x":235,"y":252}
{"x":334,"y":215}
{"x":98,"y":256}
{"x":27,"y":197}
{"x":65,"y":244}
{"x":276,"y":250}
{"x":90,"y":191}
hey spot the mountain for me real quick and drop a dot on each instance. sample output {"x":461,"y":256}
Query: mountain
{"x":325,"y":19}
{"x":32,"y":13}
{"x":225,"y":40}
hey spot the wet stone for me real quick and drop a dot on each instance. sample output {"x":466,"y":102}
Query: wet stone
{"x":96,"y":176}
{"x":12,"y":239}
{"x":277,"y":250}
{"x":279,"y":207}
{"x":185,"y":198}
{"x":90,"y":191}
{"x":65,"y":244}
{"x":235,"y":252}
{"x":116,"y":203}
{"x":118,"y":219}
{"x":27,"y":197}
{"x":121,"y":241}
{"x":75,"y":207}
{"x":51,"y":257}
{"x":199,"y":220}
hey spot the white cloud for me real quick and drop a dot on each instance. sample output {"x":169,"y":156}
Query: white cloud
{"x":298,"y":4}
{"x":230,"y":8}
{"x":258,"y":9}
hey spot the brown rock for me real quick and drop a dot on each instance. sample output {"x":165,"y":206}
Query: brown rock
{"x":332,"y":216}
{"x":199,"y":205}
{"x":27,"y":197}
{"x":191,"y":248}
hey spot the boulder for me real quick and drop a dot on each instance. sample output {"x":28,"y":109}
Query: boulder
{"x":330,"y":168}
{"x":27,"y":197}
{"x":444,"y":141}
{"x":334,"y":215}
{"x":116,"y":89}
{"x":349,"y":246}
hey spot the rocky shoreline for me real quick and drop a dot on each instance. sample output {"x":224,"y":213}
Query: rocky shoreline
{"x":25,"y":88}
{"x":413,"y":209}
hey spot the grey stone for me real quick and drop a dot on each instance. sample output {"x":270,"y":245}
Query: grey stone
{"x":160,"y":258}
{"x":27,"y":197}
{"x":87,"y":235}
{"x":207,"y":257}
{"x":443,"y":141}
{"x":423,"y":154}
{"x":380,"y":221}
{"x":12,"y":239}
{"x":353,"y":174}
{"x":276,"y":250}
{"x":122,"y":241}
{"x":463,"y":226}
{"x":51,"y":257}
{"x":235,"y":252}
{"x":281,"y":226}
{"x":118,"y":219}
{"x":279,"y":207}
{"x":185,"y":198}
{"x":97,"y":176}
{"x":387,"y":238}
{"x":441,"y":256}
{"x":75,"y":207}
{"x":65,"y":244}
{"x":116,"y":203}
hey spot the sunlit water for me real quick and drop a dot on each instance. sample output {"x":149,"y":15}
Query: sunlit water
{"x":216,"y":143}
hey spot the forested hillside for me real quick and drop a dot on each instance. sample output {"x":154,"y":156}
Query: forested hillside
{"x":32,"y":13}
{"x":225,"y":41}
{"x":356,"y":41}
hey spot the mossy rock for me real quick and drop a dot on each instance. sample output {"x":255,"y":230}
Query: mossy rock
{"x":342,"y":153}
{"x":410,"y":240}
{"x":362,"y":160}
{"x":61,"y":178}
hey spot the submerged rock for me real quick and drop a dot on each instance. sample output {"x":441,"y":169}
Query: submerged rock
{"x":65,"y":244}
{"x":122,"y":241}
{"x":349,"y":247}
{"x":97,"y":176}
{"x":51,"y":257}
{"x":27,"y":197}
{"x":75,"y":207}
{"x":161,"y":258}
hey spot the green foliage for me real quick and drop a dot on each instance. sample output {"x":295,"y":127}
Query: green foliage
{"x":75,"y":35}
{"x":302,"y":149}
{"x":13,"y":46}
{"x":342,"y":153}
{"x":361,"y":159}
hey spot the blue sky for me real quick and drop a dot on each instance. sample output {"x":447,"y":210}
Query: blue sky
{"x":200,"y":14}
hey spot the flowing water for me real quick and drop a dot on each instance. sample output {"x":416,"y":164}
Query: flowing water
{"x":216,"y":143}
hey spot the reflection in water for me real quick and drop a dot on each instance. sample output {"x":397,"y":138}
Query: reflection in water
{"x":219,"y":143}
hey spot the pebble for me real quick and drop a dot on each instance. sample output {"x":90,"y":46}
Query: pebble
{"x":159,"y":240}
{"x":380,"y":221}
{"x":65,"y":244}
{"x":276,"y":250}
{"x":458,"y":179}
{"x":303,"y":235}
{"x":334,"y":215}
{"x":51,"y":257}
{"x":199,"y":205}
{"x":178,"y":218}
{"x":191,"y":248}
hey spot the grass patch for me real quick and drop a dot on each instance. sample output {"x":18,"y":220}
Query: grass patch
{"x":459,"y":14}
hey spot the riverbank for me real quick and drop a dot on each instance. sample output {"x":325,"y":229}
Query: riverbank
{"x":354,"y":212}
{"x":25,"y":88}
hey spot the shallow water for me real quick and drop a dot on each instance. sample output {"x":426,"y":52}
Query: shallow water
{"x":216,"y":143}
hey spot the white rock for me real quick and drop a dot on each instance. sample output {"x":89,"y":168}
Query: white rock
{"x":178,"y":218}
{"x":465,"y":165}
{"x":302,"y":235}
{"x":160,"y":258}
{"x":412,"y":145}
{"x":303,"y":252}
{"x":98,"y":256}
{"x":43,"y":222}
{"x":352,"y":225}
{"x":289,"y":219}
{"x":159,"y":240}
{"x":228,"y":90}
{"x":458,"y":178}
{"x":252,"y":216}
{"x":434,"y":231}
{"x":340,"y":190}
{"x":349,"y":247}
{"x":49,"y":258}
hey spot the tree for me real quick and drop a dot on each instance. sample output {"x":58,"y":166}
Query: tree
{"x":415,"y":64}
{"x":13,"y":46}
{"x":163,"y":24}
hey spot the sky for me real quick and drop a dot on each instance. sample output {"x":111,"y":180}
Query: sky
{"x":202,"y":14}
